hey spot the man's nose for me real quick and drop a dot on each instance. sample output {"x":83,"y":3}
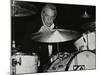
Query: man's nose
{"x":50,"y":19}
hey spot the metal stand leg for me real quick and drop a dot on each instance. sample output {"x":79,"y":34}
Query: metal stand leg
{"x":58,"y":50}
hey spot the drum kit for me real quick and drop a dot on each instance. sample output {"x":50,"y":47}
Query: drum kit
{"x":80,"y":60}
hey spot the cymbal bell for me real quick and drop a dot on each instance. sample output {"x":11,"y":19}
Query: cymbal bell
{"x":55,"y":36}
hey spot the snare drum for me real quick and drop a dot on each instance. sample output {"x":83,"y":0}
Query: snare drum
{"x":25,"y":63}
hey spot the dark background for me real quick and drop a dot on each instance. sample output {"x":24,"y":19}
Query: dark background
{"x":68,"y":17}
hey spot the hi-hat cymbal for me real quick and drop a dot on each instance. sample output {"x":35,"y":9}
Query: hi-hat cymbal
{"x":20,"y":9}
{"x":55,"y":36}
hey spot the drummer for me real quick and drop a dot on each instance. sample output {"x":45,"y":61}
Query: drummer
{"x":48,"y":15}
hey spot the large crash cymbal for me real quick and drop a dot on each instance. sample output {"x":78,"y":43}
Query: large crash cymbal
{"x":55,"y":36}
{"x":20,"y":9}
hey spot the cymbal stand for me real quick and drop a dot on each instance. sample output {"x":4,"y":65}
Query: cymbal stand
{"x":58,"y":52}
{"x":87,"y":41}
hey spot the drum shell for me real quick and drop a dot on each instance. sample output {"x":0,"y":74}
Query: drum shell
{"x":85,"y":58}
{"x":25,"y":63}
{"x":87,"y":41}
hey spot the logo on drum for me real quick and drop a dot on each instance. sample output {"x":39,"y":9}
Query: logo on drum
{"x":78,"y":67}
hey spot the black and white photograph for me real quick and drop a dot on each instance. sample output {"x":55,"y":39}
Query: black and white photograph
{"x":52,"y":37}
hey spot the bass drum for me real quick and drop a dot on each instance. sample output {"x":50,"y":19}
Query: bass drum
{"x":82,"y":60}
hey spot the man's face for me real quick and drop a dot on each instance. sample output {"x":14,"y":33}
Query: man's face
{"x":48,"y":17}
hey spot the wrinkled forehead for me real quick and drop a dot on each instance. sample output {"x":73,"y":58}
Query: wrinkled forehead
{"x":49,"y":12}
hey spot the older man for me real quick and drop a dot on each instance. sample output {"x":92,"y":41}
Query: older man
{"x":48,"y":15}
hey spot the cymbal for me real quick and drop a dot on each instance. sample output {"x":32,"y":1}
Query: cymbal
{"x":55,"y":36}
{"x":20,"y":9}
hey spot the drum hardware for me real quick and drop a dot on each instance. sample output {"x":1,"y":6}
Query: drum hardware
{"x":58,"y":50}
{"x":87,"y":43}
{"x":15,"y":62}
{"x":13,"y":70}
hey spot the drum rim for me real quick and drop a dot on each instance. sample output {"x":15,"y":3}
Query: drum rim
{"x":23,"y":54}
{"x":52,"y":63}
{"x":73,"y":56}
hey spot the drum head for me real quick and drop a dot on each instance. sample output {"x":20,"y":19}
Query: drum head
{"x":83,"y":60}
